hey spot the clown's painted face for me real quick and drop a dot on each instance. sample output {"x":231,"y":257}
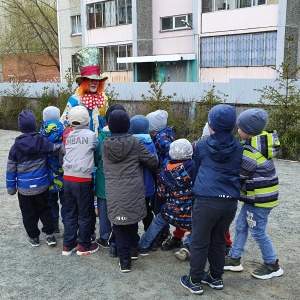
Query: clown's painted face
{"x":94,"y":84}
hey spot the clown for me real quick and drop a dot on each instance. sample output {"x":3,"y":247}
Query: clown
{"x":90,"y":90}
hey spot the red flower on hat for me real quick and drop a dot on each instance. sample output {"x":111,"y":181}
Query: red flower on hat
{"x":93,"y":100}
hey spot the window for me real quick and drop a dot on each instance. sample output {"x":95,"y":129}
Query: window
{"x":253,"y":49}
{"x":76,"y":25}
{"x":176,"y":22}
{"x":109,"y":13}
{"x":215,"y":5}
{"x":75,"y":67}
{"x":109,"y":55}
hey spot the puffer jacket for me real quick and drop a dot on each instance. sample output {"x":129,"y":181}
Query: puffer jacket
{"x":53,"y":130}
{"x":27,"y":164}
{"x":218,"y":160}
{"x":258,"y":173}
{"x":175,"y":184}
{"x":123,"y":159}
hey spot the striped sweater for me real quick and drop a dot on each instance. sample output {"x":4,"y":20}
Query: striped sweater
{"x":259,"y":179}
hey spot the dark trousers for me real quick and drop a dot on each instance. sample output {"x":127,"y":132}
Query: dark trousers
{"x":127,"y":237}
{"x":35,"y":208}
{"x":80,"y":213}
{"x":148,"y":219}
{"x":210,"y":222}
{"x":54,"y":206}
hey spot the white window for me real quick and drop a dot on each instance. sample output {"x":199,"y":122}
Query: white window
{"x":253,"y":49}
{"x":109,"y":55}
{"x":109,"y":13}
{"x":76,"y":25}
{"x":216,"y":5}
{"x":176,"y":22}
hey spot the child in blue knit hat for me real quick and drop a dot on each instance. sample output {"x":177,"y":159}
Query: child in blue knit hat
{"x":53,"y":130}
{"x":217,"y":190}
{"x":139,"y":128}
{"x":259,"y":193}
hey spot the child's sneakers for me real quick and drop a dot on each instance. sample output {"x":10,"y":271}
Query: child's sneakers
{"x":195,"y":288}
{"x":125,"y":265}
{"x":267,"y":271}
{"x":171,"y":243}
{"x":134,"y":253}
{"x":103,"y":243}
{"x":214,"y":283}
{"x":51,"y":240}
{"x":69,"y":250}
{"x":184,"y":252}
{"x":83,"y":251}
{"x":233,"y":264}
{"x":143,"y":251}
{"x":34,"y":242}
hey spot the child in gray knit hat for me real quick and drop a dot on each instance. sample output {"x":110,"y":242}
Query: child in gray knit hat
{"x":259,"y":193}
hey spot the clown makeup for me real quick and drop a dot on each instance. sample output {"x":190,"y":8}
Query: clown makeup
{"x":93,"y":86}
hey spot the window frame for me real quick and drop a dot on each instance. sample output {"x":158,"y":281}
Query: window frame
{"x":78,"y":25}
{"x":187,"y":17}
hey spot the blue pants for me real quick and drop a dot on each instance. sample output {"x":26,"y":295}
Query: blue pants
{"x":105,"y":225}
{"x":127,"y":237}
{"x":54,"y":207}
{"x":79,"y":213}
{"x":211,"y":218}
{"x":253,"y":219}
{"x":157,"y":224}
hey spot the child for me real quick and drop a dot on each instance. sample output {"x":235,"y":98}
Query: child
{"x":216,"y":189}
{"x":78,"y":165}
{"x":123,"y":159}
{"x":105,"y":225}
{"x":53,"y":130}
{"x":259,"y":193}
{"x":27,"y":173}
{"x":139,"y":128}
{"x":162,"y":136}
{"x":175,"y":183}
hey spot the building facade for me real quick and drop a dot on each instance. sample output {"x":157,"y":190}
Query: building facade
{"x":189,"y":41}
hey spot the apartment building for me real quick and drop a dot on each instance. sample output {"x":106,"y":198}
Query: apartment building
{"x":189,"y":41}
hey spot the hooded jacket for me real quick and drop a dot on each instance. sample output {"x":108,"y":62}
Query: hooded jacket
{"x":218,"y":160}
{"x":258,"y":174}
{"x":53,"y":130}
{"x":27,"y":164}
{"x":123,"y":159}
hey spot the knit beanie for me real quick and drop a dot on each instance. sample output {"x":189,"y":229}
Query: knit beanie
{"x":181,"y":149}
{"x":27,"y":121}
{"x":139,"y":124}
{"x":78,"y":117}
{"x":118,"y":121}
{"x":157,"y":120}
{"x":252,"y":121}
{"x":205,"y":131}
{"x":112,"y":108}
{"x":222,"y":118}
{"x":51,"y":113}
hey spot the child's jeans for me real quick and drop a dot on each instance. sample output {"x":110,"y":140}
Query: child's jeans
{"x":253,"y":219}
{"x":157,"y":224}
{"x":105,"y":225}
{"x":54,"y":206}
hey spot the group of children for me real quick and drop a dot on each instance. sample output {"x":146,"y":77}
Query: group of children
{"x":141,"y":169}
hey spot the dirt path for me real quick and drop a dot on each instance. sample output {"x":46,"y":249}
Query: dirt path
{"x":43,"y":273}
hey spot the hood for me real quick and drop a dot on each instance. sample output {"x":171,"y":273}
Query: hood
{"x":145,"y":138}
{"x":267,"y":143}
{"x":221,"y":150}
{"x":29,"y":143}
{"x":52,"y":130}
{"x":118,"y":146}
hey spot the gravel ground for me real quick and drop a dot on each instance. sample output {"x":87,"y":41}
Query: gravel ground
{"x":43,"y":273}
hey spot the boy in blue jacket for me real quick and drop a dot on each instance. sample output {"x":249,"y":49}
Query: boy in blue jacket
{"x":27,"y":173}
{"x":217,"y":190}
